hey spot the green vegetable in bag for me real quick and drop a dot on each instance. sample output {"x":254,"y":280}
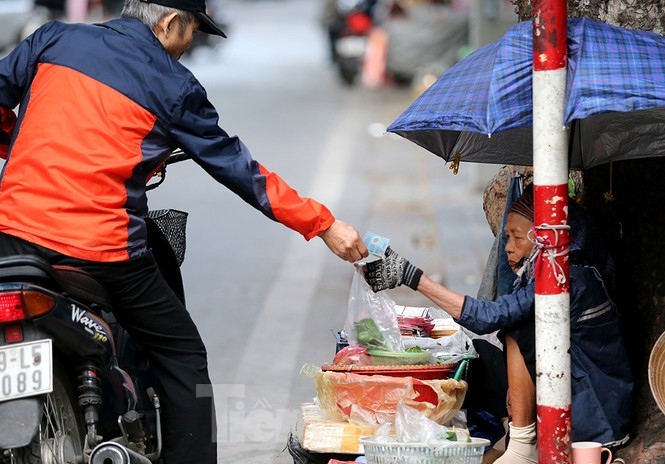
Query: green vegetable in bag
{"x":369,"y":335}
{"x":414,"y":349}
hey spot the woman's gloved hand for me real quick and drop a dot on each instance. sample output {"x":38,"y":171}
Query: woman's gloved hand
{"x":391,"y":271}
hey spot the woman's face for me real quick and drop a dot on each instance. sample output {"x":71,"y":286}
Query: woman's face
{"x":518,"y":243}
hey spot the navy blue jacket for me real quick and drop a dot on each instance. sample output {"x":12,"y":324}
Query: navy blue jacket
{"x":601,"y":378}
{"x":101,"y":108}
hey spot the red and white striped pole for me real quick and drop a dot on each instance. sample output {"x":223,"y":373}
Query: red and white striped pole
{"x":550,"y":174}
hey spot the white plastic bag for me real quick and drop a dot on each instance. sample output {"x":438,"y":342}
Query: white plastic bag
{"x":411,"y":426}
{"x":371,"y":321}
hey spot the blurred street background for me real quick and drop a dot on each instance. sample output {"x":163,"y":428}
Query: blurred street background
{"x":267,"y":302}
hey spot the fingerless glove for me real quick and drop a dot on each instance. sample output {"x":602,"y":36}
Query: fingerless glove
{"x":392,"y":271}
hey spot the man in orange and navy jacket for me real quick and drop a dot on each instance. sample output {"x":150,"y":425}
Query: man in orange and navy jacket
{"x":101,"y":108}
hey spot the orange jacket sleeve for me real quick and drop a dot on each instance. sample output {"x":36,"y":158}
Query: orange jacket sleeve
{"x":304,"y":215}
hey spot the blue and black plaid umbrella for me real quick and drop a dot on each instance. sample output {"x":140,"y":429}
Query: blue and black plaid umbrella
{"x":480,"y":110}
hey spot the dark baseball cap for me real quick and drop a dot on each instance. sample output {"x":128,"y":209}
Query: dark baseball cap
{"x":198,"y":7}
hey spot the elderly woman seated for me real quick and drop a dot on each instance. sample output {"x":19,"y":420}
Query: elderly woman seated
{"x":602,"y":383}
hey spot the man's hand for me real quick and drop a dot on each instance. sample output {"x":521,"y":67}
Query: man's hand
{"x":391,"y":271}
{"x":344,"y":241}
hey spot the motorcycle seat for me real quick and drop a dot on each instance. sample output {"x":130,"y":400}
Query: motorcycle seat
{"x":76,"y":282}
{"x":81,"y":284}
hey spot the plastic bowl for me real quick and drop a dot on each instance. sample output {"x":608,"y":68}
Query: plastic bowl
{"x":398,"y":358}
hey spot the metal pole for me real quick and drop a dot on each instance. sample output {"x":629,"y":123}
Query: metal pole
{"x":550,"y":162}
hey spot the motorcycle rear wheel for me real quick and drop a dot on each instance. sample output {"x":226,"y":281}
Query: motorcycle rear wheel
{"x":348,"y":72}
{"x":61,"y":433}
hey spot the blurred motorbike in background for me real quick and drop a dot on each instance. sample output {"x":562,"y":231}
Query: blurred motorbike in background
{"x":20,"y":18}
{"x":400,"y":42}
{"x":348,"y":24}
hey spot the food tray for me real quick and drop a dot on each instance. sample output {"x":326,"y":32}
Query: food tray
{"x":418,"y":371}
{"x":377,"y":452}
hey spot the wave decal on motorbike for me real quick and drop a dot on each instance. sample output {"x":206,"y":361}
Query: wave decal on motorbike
{"x":90,"y":323}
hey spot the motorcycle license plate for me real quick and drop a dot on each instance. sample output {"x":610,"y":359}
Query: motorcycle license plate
{"x":26,"y":369}
{"x":351,"y":47}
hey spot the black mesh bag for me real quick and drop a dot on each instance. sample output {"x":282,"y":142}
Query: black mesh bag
{"x":173,"y":224}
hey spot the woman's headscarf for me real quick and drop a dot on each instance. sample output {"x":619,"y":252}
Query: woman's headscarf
{"x":586,"y":244}
{"x":524,"y":204}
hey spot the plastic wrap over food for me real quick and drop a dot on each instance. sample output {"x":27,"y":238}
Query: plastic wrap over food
{"x":352,"y":356}
{"x":371,"y":321}
{"x":412,"y":427}
{"x":373,"y":399}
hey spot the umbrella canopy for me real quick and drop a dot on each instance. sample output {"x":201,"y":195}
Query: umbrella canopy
{"x":480,"y":110}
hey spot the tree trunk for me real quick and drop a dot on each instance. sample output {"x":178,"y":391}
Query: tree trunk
{"x":628,"y":201}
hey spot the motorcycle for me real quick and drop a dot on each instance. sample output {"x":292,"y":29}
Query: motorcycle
{"x":74,"y":387}
{"x":349,"y":23}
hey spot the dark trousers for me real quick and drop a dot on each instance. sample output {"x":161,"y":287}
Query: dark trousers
{"x":150,"y":312}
